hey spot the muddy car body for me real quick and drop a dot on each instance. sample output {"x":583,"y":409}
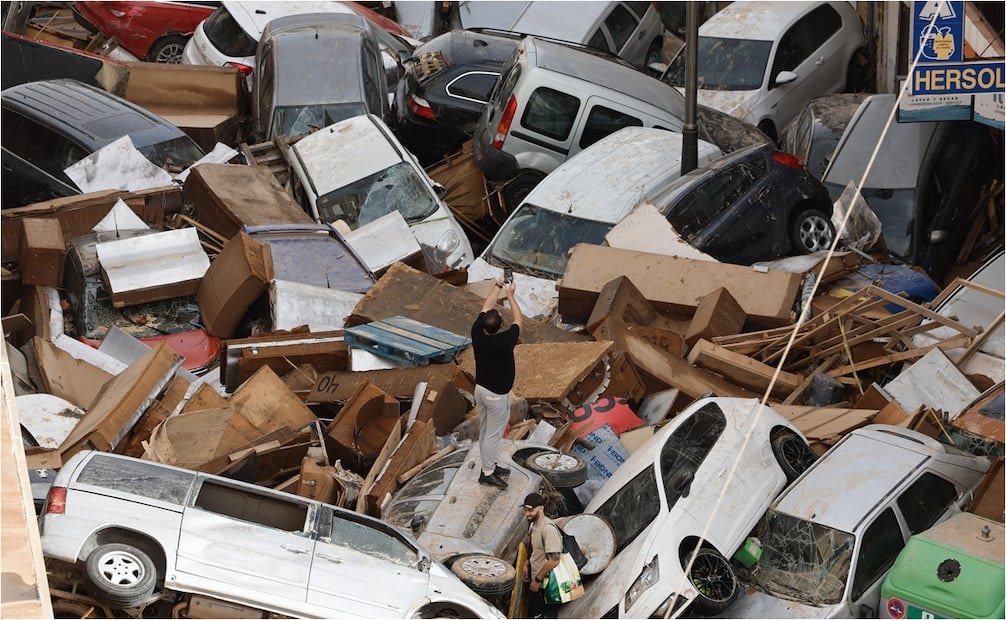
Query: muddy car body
{"x":710,"y":472}
{"x":830,"y":539}
{"x":140,"y":530}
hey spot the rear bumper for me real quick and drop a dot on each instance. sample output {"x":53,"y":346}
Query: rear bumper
{"x":495,"y":164}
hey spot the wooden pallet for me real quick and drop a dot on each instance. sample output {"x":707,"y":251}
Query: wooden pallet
{"x":406,"y":340}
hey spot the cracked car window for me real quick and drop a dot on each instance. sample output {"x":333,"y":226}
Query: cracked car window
{"x":804,"y":561}
{"x":633,"y":508}
{"x":137,"y":477}
{"x":398,"y":188}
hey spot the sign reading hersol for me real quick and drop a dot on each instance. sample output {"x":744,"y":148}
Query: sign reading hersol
{"x":937,"y":46}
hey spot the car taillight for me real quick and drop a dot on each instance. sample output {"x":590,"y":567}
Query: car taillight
{"x":786,"y":159}
{"x":55,"y":501}
{"x":421,"y":107}
{"x":242,"y":69}
{"x":504,"y":127}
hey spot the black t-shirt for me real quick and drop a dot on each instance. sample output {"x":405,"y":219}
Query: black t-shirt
{"x":494,"y":365}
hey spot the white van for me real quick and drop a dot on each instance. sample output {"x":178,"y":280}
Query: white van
{"x":357,"y":171}
{"x":579,"y":202}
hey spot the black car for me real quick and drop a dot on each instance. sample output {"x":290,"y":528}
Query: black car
{"x":446,"y":84}
{"x":51,"y":124}
{"x":812,"y":136}
{"x":754,"y":204}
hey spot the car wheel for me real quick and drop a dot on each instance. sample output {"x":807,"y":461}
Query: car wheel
{"x":167,"y":50}
{"x":714,"y":579}
{"x":518,"y":188}
{"x":563,"y":471}
{"x":486,"y":575}
{"x":120,"y":575}
{"x":793,"y":454}
{"x":768,"y":128}
{"x":811,"y":231}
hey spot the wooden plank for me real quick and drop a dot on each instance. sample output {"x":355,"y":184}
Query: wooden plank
{"x":742,"y":370}
{"x":338,"y":386}
{"x":421,"y":331}
{"x":980,"y":340}
{"x":948,"y":343}
{"x":382,"y":458}
{"x":825,"y":424}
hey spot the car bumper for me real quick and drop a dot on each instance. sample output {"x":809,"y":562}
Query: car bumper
{"x":495,"y":164}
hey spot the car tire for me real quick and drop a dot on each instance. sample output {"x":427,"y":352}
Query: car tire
{"x":168,"y":49}
{"x":811,"y":231}
{"x":714,"y":581}
{"x":563,"y":471}
{"x":120,"y":575}
{"x":486,"y":575}
{"x":518,"y":188}
{"x":792,"y":453}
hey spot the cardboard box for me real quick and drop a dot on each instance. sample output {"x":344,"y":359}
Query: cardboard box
{"x":718,"y":314}
{"x":41,"y":253}
{"x":227,"y":197}
{"x":622,"y":300}
{"x":235,"y":279}
{"x":354,"y":435}
{"x":202,"y":101}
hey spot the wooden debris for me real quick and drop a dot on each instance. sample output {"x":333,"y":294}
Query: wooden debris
{"x":824,"y":426}
{"x":742,"y":370}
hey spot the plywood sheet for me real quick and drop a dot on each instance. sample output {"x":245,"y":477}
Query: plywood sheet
{"x":547,"y":371}
{"x":189,"y":440}
{"x":825,"y":424}
{"x":411,"y":293}
{"x":67,"y":377}
{"x":268,"y":404}
{"x":339,"y":386}
{"x":742,"y":370}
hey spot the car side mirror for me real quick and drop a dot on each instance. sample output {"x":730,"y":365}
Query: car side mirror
{"x":440,"y":190}
{"x":784,"y":77}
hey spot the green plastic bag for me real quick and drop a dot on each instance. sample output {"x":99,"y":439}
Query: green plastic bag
{"x":563,"y":583}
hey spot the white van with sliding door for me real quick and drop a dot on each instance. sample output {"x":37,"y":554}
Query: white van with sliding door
{"x":579,"y":202}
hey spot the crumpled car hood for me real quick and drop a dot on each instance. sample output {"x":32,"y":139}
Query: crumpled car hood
{"x":754,"y":603}
{"x":737,"y":103}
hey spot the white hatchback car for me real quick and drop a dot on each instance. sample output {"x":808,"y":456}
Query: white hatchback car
{"x":830,"y":539}
{"x":668,"y":494}
{"x":142,"y":532}
{"x":357,"y":171}
{"x":763,"y":61}
{"x":579,"y":202}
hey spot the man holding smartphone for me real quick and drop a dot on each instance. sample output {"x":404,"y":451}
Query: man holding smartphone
{"x":494,"y":376}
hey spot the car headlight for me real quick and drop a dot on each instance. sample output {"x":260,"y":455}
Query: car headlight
{"x":647,"y":577}
{"x":448,"y":242}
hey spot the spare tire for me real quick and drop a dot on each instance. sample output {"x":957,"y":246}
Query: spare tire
{"x":486,"y":575}
{"x":563,"y":471}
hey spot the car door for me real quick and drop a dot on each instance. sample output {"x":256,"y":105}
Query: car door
{"x":363,"y":570}
{"x":546,"y":128}
{"x":882,"y":540}
{"x":631,"y":30}
{"x":251,"y":544}
{"x":602,"y":118}
{"x":804,"y":50}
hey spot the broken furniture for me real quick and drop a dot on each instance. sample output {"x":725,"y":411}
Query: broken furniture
{"x":406,"y":340}
{"x":154,"y":267}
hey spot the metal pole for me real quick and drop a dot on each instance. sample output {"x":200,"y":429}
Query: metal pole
{"x":689,"y":131}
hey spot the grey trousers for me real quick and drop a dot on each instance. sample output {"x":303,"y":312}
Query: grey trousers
{"x":494,"y":414}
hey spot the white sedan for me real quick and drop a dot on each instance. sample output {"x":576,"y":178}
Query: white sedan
{"x":682,"y":484}
{"x":763,"y":61}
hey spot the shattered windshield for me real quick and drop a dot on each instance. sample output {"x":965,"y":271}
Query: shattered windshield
{"x":724,"y":64}
{"x":416,"y":502}
{"x":149,"y":320}
{"x":173,"y":155}
{"x":803,"y":561}
{"x":298,"y":119}
{"x":398,"y":188}
{"x":538,"y":240}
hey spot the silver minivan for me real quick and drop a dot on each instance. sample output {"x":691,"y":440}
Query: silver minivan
{"x":142,"y":532}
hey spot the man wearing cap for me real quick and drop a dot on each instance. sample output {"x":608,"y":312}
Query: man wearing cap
{"x":495,"y":371}
{"x":546,"y":547}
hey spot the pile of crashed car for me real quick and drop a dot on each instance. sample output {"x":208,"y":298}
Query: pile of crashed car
{"x":238,"y":294}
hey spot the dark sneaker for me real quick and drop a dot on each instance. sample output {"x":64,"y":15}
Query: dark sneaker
{"x":502,"y":472}
{"x":492,"y":479}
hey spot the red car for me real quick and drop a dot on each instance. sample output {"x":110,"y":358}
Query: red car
{"x":151,"y":31}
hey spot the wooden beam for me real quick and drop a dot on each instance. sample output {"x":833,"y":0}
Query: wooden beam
{"x":949,"y":343}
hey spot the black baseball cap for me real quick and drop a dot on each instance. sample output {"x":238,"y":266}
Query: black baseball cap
{"x":532,"y":500}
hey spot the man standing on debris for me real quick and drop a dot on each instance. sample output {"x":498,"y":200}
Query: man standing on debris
{"x":546,"y":547}
{"x":494,"y":377}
